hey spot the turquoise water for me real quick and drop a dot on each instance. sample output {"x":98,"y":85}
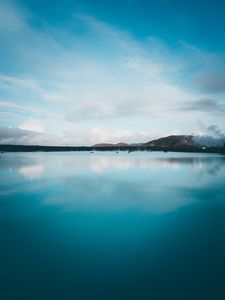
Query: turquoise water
{"x":92,"y":226}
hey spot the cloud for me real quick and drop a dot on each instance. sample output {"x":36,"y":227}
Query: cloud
{"x":215,"y":131}
{"x":86,"y":86}
{"x":211,"y":136}
{"x":204,"y":105}
{"x":32,"y":125}
{"x":76,"y":137}
{"x":212,"y":83}
{"x":19,"y":85}
{"x":19,"y":136}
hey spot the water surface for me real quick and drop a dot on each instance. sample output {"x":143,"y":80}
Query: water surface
{"x":92,"y":226}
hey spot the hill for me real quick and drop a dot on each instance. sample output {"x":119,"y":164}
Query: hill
{"x":173,"y":141}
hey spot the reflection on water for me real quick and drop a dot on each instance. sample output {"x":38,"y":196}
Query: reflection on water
{"x":94,"y":226}
{"x":32,"y":164}
{"x":33,"y":171}
{"x":152,"y":182}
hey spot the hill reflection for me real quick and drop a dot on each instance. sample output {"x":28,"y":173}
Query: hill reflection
{"x":154,"y":183}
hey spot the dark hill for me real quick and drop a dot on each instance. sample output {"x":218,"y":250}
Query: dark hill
{"x":173,"y":141}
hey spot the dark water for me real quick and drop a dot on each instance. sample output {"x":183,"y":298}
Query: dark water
{"x":112,"y":226}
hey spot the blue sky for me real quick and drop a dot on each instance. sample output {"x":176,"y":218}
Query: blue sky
{"x":81,"y":72}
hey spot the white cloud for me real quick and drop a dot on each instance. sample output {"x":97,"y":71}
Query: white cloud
{"x":32,"y":125}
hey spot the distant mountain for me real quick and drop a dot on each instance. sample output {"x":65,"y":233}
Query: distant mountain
{"x":173,"y":142}
{"x":105,"y":145}
{"x":177,"y":143}
{"x":170,"y":143}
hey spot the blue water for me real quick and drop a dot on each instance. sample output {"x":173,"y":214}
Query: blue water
{"x":112,"y":226}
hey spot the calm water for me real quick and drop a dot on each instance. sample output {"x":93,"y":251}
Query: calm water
{"x":112,"y":226}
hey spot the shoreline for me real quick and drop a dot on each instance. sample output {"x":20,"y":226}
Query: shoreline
{"x":35,"y":148}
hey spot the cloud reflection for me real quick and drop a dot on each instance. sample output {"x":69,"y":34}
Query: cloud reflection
{"x":102,"y":163}
{"x":149,"y":182}
{"x":33,"y":171}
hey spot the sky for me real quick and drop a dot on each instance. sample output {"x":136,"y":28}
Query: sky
{"x":88,"y":71}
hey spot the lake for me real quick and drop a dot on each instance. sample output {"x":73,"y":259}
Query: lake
{"x":112,"y":226}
